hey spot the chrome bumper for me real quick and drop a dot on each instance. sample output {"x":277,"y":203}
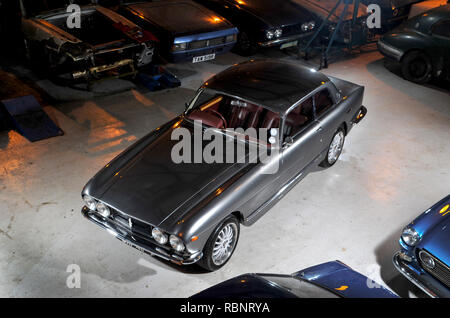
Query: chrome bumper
{"x":389,"y":51}
{"x":139,"y":244}
{"x":284,"y":40}
{"x":424,"y":281}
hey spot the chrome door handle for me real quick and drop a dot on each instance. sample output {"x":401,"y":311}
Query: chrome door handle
{"x":319,"y":129}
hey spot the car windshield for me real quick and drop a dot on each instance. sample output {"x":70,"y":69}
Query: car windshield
{"x":221,"y":111}
{"x":299,"y":287}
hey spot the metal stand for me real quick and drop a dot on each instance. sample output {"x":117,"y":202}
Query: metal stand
{"x":350,"y":41}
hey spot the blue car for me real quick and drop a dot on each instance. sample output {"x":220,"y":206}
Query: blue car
{"x":425,"y":254}
{"x":327,"y":280}
{"x":186,"y":30}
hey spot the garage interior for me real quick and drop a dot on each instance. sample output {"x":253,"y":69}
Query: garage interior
{"x":394,"y":166}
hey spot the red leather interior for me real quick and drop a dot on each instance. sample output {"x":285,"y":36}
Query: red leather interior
{"x":272,"y":120}
{"x":207,"y":118}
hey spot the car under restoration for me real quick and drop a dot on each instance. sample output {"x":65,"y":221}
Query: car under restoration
{"x":104,"y":45}
{"x":188,"y":211}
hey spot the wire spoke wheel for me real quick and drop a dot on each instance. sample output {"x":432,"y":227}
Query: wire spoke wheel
{"x":224,"y":244}
{"x":336,"y":147}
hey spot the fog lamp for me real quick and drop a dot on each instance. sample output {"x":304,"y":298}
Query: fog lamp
{"x":103,"y":210}
{"x":427,"y":260}
{"x":176,"y":243}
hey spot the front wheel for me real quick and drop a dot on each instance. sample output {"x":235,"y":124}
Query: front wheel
{"x":417,"y":67}
{"x":335,"y":149}
{"x":220,"y":245}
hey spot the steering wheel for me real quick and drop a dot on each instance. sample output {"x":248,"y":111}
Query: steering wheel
{"x":215,"y":112}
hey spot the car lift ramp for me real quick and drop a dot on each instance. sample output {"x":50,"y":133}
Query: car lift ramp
{"x":356,"y":35}
{"x":26,"y":115}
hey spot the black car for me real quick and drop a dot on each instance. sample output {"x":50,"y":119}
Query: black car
{"x":393,"y":12}
{"x":327,"y":280}
{"x":421,"y":45}
{"x":264,"y":23}
{"x":186,"y":30}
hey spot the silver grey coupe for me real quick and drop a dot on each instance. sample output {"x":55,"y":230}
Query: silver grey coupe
{"x":190,"y":211}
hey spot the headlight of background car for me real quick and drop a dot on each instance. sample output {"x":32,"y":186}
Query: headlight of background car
{"x":179,"y":47}
{"x":269,"y":34}
{"x":103,"y":210}
{"x":278,"y":33}
{"x":308,"y":26}
{"x":231,"y":38}
{"x":159,"y":236}
{"x":90,"y":202}
{"x":176,"y":243}
{"x":410,"y":236}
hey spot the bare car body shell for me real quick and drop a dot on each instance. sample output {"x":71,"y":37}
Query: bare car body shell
{"x":106,"y":45}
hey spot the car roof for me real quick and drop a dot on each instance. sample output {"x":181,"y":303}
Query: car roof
{"x":274,"y":84}
{"x":427,"y":19}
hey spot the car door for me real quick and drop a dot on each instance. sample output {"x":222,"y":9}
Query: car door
{"x":328,"y":114}
{"x":440,"y":33}
{"x":301,"y":140}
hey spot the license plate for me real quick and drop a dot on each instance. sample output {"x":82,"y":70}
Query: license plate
{"x":288,"y":44}
{"x":203,"y":58}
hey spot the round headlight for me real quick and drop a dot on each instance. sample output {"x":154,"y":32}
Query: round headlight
{"x":410,"y":236}
{"x":103,"y":210}
{"x":278,"y":33}
{"x":305,"y":27}
{"x":159,"y":236}
{"x":269,"y":34}
{"x":426,"y":259}
{"x":311,"y":25}
{"x":176,"y":243}
{"x":90,"y":202}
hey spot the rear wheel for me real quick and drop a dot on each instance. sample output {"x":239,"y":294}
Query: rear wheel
{"x":417,"y":67}
{"x":221,"y":244}
{"x":334,"y":149}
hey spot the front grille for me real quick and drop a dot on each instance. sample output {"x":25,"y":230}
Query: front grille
{"x":292,"y":29}
{"x":206,"y":43}
{"x":440,"y":271}
{"x":137,"y":227}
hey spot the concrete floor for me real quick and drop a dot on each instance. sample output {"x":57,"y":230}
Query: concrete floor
{"x":394,"y":166}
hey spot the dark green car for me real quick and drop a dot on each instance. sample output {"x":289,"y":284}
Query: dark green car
{"x":421,"y":45}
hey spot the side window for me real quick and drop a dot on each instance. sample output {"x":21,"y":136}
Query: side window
{"x":441,"y":28}
{"x":298,"y":118}
{"x":322,"y":101}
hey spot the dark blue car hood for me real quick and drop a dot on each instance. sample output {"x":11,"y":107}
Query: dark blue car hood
{"x":341,"y":279}
{"x":335,"y":277}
